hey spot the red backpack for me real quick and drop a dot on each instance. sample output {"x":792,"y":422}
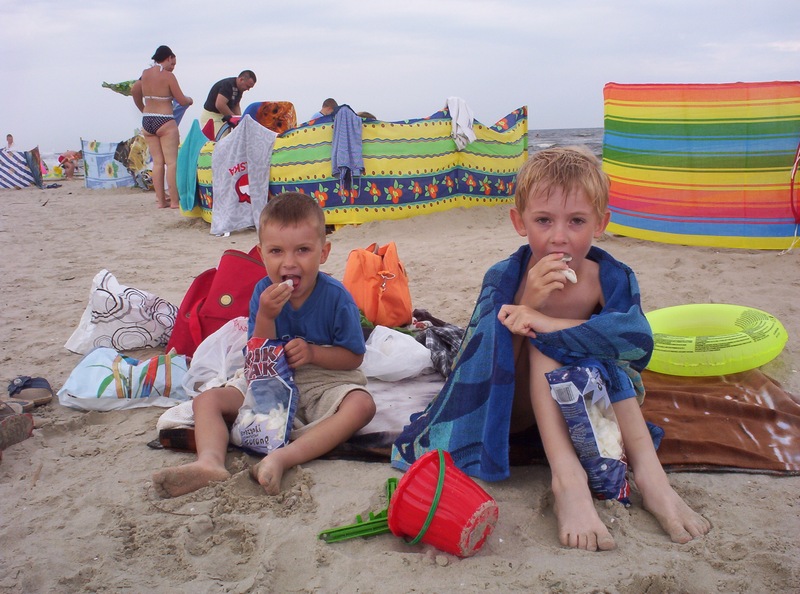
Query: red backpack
{"x":215,"y":297}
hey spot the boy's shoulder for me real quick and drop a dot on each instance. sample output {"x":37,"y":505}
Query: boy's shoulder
{"x":332,"y":292}
{"x":607,"y":262}
{"x":327,"y":282}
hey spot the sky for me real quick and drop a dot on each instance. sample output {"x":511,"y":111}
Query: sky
{"x":395,"y":59}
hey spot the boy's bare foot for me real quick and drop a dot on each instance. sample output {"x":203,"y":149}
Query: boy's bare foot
{"x":678,"y":520}
{"x":268,"y":473}
{"x":579,"y":526}
{"x":179,"y":480}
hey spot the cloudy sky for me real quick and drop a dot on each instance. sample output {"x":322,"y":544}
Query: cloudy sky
{"x":396,"y":59}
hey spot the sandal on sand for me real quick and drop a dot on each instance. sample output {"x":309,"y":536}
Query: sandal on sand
{"x":18,"y":403}
{"x":34,"y":389}
{"x":14,"y":426}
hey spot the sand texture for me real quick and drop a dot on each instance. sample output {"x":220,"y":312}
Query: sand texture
{"x":78,"y":513}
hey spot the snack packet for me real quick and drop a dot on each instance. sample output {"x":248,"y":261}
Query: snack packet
{"x":581,"y":394}
{"x":265,"y":418}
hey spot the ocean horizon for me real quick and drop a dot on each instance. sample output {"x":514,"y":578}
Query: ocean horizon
{"x":542,"y":139}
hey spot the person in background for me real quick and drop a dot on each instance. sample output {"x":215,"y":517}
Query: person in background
{"x":328,"y":107}
{"x":224,"y":99}
{"x":153,"y":94}
{"x":69,"y":162}
{"x":9,"y":142}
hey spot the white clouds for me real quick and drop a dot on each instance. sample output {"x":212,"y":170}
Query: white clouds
{"x":785,"y":46}
{"x":397,"y":60}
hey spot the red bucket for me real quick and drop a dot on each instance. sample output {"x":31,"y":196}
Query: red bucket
{"x":438,"y":504}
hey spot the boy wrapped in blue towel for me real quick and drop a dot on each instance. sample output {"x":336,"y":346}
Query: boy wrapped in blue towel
{"x":531,"y":319}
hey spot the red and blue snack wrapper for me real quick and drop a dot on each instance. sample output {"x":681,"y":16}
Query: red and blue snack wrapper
{"x":265,"y":418}
{"x":582,"y":397}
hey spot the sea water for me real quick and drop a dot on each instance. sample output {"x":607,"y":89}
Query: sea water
{"x":542,"y":139}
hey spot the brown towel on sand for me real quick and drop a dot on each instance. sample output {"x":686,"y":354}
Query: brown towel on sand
{"x":743,"y":422}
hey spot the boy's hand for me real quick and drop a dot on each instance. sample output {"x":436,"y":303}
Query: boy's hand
{"x":273,"y":299}
{"x":298,"y":353}
{"x":519,"y":319}
{"x":546,"y":276}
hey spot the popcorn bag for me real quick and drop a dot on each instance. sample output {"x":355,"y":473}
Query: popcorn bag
{"x":265,"y":418}
{"x":581,"y":394}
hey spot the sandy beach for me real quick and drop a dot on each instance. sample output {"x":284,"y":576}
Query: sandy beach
{"x":78,"y":513}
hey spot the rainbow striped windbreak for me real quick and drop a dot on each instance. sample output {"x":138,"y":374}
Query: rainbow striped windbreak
{"x":704,"y":164}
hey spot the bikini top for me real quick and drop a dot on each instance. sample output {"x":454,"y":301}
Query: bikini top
{"x":156,"y":97}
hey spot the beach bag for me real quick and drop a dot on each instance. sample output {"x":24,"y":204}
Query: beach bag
{"x":378,"y":283}
{"x":265,"y":418}
{"x":215,"y":297}
{"x":122,"y":318}
{"x":107,"y":380}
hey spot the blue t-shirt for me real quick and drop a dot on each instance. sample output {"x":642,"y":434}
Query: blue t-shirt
{"x":328,"y":317}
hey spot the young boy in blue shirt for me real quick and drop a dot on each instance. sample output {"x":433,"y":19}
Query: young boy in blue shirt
{"x":320,"y":324}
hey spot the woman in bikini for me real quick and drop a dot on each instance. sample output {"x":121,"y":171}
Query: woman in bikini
{"x":153,"y":94}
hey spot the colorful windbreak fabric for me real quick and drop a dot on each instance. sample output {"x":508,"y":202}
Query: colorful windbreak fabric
{"x":412,"y":167}
{"x":704,"y":164}
{"x":17,"y":169}
{"x":103,"y":169}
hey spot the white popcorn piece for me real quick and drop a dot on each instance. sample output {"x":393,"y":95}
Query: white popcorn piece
{"x":607,"y":433}
{"x":568,"y":272}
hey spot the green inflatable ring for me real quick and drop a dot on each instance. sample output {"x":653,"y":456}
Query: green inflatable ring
{"x":713,"y":339}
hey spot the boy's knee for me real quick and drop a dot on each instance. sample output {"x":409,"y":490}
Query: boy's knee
{"x":209,"y":399}
{"x":360,"y":403}
{"x":202,"y":400}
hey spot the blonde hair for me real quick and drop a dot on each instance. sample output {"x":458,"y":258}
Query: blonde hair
{"x":569,"y":168}
{"x":292,"y":208}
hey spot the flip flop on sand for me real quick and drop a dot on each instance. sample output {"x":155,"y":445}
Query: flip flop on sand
{"x":33,"y":389}
{"x":23,"y":405}
{"x":14,"y":426}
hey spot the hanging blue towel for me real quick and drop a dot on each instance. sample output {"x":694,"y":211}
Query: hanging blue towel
{"x":347,"y":160}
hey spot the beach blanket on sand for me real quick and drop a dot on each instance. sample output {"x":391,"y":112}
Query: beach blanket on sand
{"x":240,"y":166}
{"x":743,"y":422}
{"x":470,"y":417}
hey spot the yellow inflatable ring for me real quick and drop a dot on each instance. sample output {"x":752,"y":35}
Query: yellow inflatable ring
{"x":713,"y":339}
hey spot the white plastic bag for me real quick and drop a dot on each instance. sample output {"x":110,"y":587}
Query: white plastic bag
{"x":393,"y":355}
{"x":217,"y":358}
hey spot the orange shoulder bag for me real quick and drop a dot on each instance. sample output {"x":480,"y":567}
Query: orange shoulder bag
{"x":378,"y":283}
